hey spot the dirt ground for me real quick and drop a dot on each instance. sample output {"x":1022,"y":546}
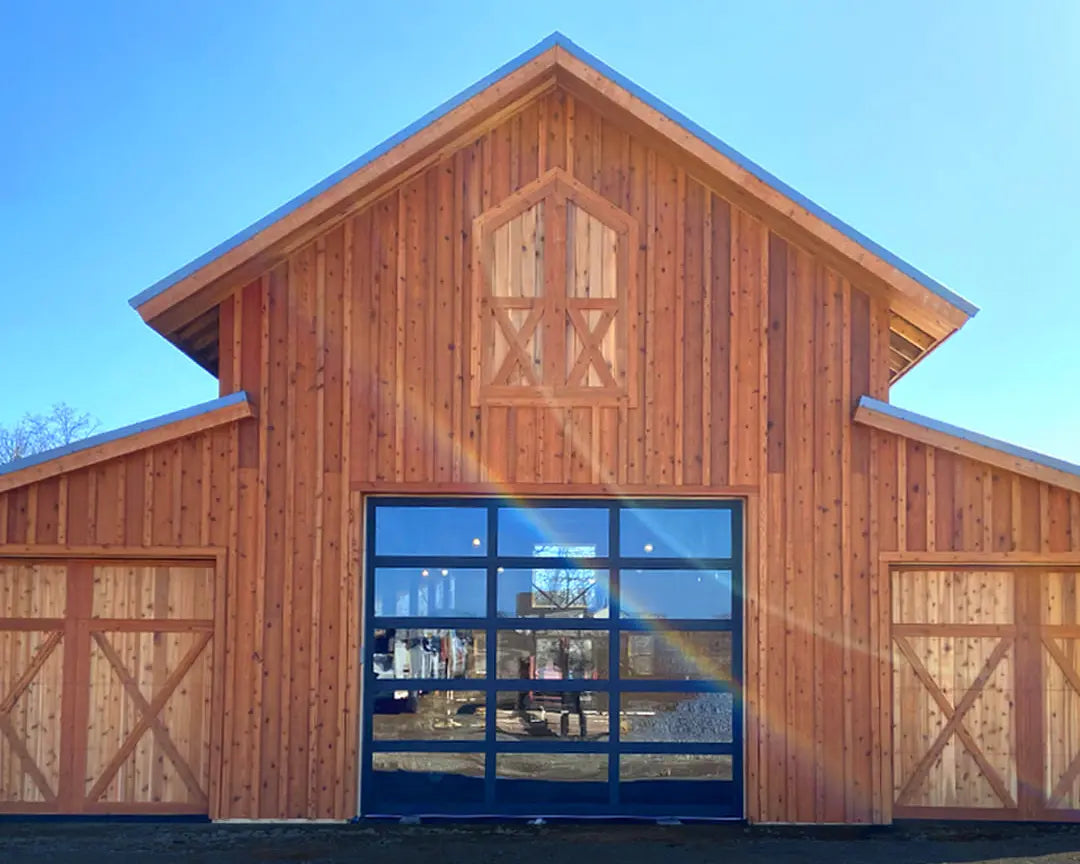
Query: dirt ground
{"x":518,"y":843}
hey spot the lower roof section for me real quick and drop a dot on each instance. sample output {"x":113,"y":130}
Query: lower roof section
{"x":964,"y":442}
{"x":127,"y":439}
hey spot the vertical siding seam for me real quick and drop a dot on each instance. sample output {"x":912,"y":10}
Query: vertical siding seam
{"x":344,"y":607}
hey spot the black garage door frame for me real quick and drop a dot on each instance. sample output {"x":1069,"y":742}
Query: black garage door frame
{"x":715,"y":799}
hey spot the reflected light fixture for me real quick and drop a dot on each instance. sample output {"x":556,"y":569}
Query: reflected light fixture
{"x":445,"y":572}
{"x":423,"y":572}
{"x":648,"y":547}
{"x":475,"y":541}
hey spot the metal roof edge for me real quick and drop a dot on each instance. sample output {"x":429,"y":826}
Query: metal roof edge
{"x":553,"y":40}
{"x":124,"y":432}
{"x":1043,"y":459}
{"x":355,"y":165}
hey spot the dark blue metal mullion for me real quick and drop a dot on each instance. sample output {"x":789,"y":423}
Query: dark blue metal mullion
{"x":491,"y":647}
{"x":426,"y":623}
{"x":651,"y":625}
{"x":614,"y":696}
{"x":615,"y":686}
{"x":738,"y":704}
{"x":662,"y":625}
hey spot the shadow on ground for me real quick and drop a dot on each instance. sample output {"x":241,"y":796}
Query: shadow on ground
{"x":444,"y":843}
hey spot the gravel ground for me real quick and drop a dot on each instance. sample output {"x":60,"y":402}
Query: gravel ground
{"x":517,"y":843}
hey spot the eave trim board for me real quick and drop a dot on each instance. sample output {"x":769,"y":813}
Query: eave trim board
{"x":216,"y":412}
{"x":1011,"y":457}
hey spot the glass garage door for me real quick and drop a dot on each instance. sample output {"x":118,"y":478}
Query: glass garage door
{"x":552,"y":658}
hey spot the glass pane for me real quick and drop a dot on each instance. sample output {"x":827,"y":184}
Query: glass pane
{"x":676,"y":779}
{"x":554,"y":532}
{"x":433,"y":592}
{"x":675,"y":532}
{"x":551,"y":592}
{"x":441,"y":780}
{"x":437,"y":715}
{"x":430,"y":531}
{"x":681,"y":655}
{"x":677,"y":718}
{"x":546,"y":716}
{"x":675,"y":594}
{"x":674,"y":766}
{"x":429,"y":653}
{"x":559,"y":655}
{"x":556,"y":778}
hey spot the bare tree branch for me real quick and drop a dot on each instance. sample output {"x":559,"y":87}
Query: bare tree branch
{"x":35,"y":433}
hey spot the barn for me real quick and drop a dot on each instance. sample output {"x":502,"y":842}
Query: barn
{"x":553,"y":472}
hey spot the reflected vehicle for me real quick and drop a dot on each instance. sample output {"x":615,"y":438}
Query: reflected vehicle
{"x":420,"y":653}
{"x":390,"y":660}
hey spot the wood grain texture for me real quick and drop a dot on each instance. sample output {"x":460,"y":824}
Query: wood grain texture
{"x":736,"y":362}
{"x":107,"y":686}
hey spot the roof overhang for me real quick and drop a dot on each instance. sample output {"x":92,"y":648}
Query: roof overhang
{"x":185,"y":295}
{"x":1009,"y":457}
{"x":129,"y":439}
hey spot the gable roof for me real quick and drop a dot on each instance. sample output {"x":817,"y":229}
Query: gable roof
{"x":127,"y":439}
{"x":1030,"y":463}
{"x":167,"y":305}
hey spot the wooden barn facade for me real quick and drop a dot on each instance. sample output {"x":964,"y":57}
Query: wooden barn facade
{"x":553,"y":472}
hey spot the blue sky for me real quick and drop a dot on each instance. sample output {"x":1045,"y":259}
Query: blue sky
{"x":139,"y":135}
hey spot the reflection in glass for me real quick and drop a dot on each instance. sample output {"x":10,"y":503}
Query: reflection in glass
{"x":428,"y":653}
{"x":541,"y":716}
{"x":552,"y":654}
{"x":681,"y":655}
{"x":553,"y":592}
{"x":677,"y":718}
{"x":674,"y":766}
{"x":439,"y":779}
{"x":675,"y":532}
{"x":435,"y":592}
{"x":558,"y":778}
{"x":420,"y":530}
{"x":437,"y":715}
{"x":675,"y":594}
{"x":554,"y":532}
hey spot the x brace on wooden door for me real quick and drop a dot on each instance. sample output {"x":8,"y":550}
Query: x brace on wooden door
{"x":149,"y":718}
{"x":954,"y":725}
{"x":7,"y":728}
{"x":1068,"y":778}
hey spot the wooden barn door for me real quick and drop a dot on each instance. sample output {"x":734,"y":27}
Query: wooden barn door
{"x":105,"y":687}
{"x":986,"y":694}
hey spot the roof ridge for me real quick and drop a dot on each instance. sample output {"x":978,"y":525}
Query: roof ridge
{"x":558,"y":39}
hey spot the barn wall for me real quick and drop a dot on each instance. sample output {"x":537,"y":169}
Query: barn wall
{"x":178,"y":497}
{"x":935,"y":501}
{"x":751,"y":355}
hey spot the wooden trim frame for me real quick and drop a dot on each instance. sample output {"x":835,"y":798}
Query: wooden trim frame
{"x":121,"y":442}
{"x":1031,"y":642}
{"x":551,"y":490}
{"x":963,"y":442}
{"x":80,"y":629}
{"x":980,"y":560}
{"x":553,"y":306}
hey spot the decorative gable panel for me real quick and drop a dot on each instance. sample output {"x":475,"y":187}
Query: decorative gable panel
{"x":551,"y":292}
